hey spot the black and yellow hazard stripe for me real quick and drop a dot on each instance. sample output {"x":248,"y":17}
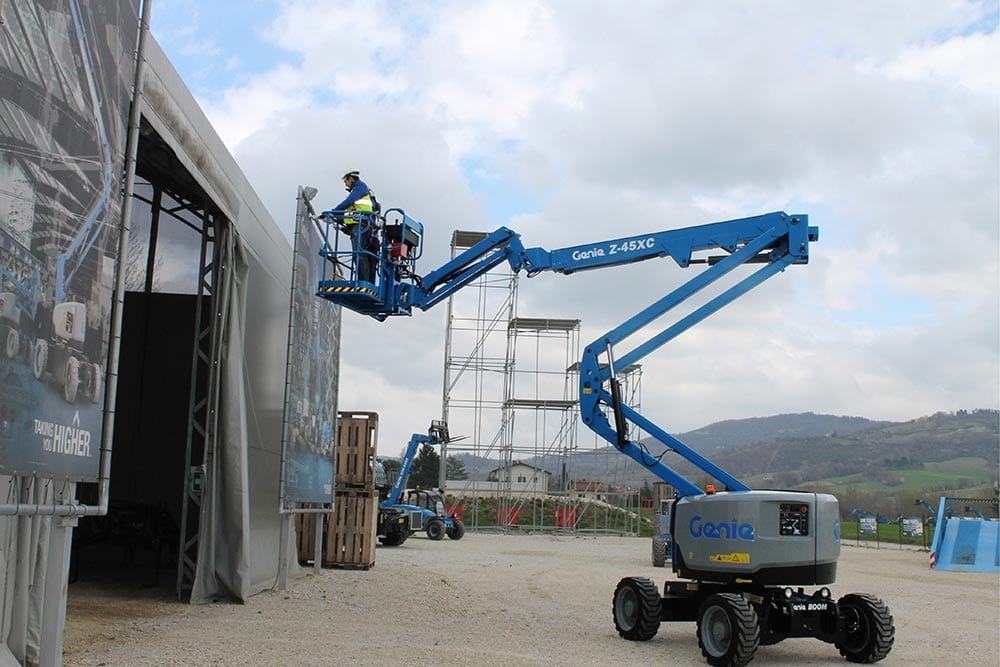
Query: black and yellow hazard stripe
{"x":349,"y":290}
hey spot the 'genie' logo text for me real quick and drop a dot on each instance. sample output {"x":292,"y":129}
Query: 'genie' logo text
{"x":721,"y":530}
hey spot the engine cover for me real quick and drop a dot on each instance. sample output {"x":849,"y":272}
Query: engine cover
{"x":70,"y":321}
{"x":770,"y":537}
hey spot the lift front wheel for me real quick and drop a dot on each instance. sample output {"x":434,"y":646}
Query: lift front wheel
{"x":71,"y":380}
{"x":728,"y":630}
{"x":435,"y":529}
{"x":636,"y":609}
{"x":458,"y":531}
{"x":40,"y":359}
{"x":868,"y":630}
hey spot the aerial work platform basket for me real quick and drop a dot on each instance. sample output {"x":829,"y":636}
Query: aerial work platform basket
{"x":390,"y":242}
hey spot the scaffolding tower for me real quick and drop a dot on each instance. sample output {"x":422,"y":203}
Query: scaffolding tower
{"x":475,"y":371}
{"x":510,"y":386}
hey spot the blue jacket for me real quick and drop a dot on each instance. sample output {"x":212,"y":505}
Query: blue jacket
{"x":359,"y":190}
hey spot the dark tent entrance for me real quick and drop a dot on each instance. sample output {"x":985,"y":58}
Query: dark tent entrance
{"x":149,"y":538}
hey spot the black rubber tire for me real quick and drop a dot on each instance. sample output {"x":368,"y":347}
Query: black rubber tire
{"x":94,"y":383}
{"x":71,"y":379}
{"x":458,"y":531}
{"x":393,"y":540}
{"x":728,"y":630}
{"x":39,"y":358}
{"x":659,"y":551}
{"x":13,"y":345}
{"x":868,"y":629}
{"x":435,"y":529}
{"x":636,"y":609}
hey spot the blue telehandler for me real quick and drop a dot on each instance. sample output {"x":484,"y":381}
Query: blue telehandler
{"x":425,"y":507}
{"x":742,"y":556}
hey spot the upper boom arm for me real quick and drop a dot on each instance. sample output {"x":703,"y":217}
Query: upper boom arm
{"x":679,"y":244}
{"x":774,"y":240}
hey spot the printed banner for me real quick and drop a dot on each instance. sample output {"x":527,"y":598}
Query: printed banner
{"x":866,"y":525}
{"x":913,"y":526}
{"x":313,"y":375}
{"x":66,"y":71}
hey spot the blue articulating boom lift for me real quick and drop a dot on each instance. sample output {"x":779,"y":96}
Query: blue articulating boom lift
{"x":737,"y":552}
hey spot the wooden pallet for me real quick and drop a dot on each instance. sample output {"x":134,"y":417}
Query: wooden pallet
{"x":305,"y":536}
{"x":350,"y":541}
{"x":357,"y":436}
{"x":348,"y":535}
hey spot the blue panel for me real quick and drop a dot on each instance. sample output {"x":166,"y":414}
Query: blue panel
{"x":966,"y":543}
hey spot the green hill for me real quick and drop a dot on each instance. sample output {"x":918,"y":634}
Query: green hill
{"x":846,"y":455}
{"x":878,"y":454}
{"x":738,"y":433}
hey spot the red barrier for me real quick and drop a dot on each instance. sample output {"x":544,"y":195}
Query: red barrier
{"x":508,"y":516}
{"x":565,"y":517}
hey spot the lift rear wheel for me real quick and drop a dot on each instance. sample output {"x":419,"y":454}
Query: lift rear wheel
{"x":435,"y":529}
{"x":94,"y":383}
{"x":13,"y":343}
{"x":659,"y":551}
{"x":636,"y":608}
{"x":868,"y":628}
{"x":728,"y":630}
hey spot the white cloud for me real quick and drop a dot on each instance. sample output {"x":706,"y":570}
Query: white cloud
{"x":955,"y":63}
{"x":880,"y":120}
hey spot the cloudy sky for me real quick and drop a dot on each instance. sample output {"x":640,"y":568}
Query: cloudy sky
{"x":575,"y":121}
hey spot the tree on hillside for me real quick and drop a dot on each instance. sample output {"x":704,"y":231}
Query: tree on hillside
{"x":425,"y":469}
{"x":456,"y":469}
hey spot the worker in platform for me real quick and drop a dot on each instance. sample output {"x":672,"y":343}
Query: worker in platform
{"x":358,"y":215}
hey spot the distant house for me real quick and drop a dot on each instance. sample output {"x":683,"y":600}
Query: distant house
{"x":522,"y":477}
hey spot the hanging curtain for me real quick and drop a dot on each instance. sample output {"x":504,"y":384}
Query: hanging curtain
{"x":224,"y":542}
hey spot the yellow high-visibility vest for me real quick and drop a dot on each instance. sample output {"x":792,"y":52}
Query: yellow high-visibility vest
{"x":363,"y":205}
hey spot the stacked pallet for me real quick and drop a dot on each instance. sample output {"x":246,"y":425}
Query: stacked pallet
{"x":349,"y":539}
{"x":357,"y":435}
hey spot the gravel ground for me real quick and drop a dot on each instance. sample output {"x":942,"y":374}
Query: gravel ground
{"x":504,"y":600}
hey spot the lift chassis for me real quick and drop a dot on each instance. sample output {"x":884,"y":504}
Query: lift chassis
{"x":733,"y":620}
{"x":742,"y":593}
{"x":744,"y":555}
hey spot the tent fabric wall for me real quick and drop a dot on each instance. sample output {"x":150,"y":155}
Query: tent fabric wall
{"x":244,"y":558}
{"x":24,"y":566}
{"x":224,"y":547}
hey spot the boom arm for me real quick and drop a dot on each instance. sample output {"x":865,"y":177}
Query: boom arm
{"x":436,"y":434}
{"x":70,"y":261}
{"x":775,"y":240}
